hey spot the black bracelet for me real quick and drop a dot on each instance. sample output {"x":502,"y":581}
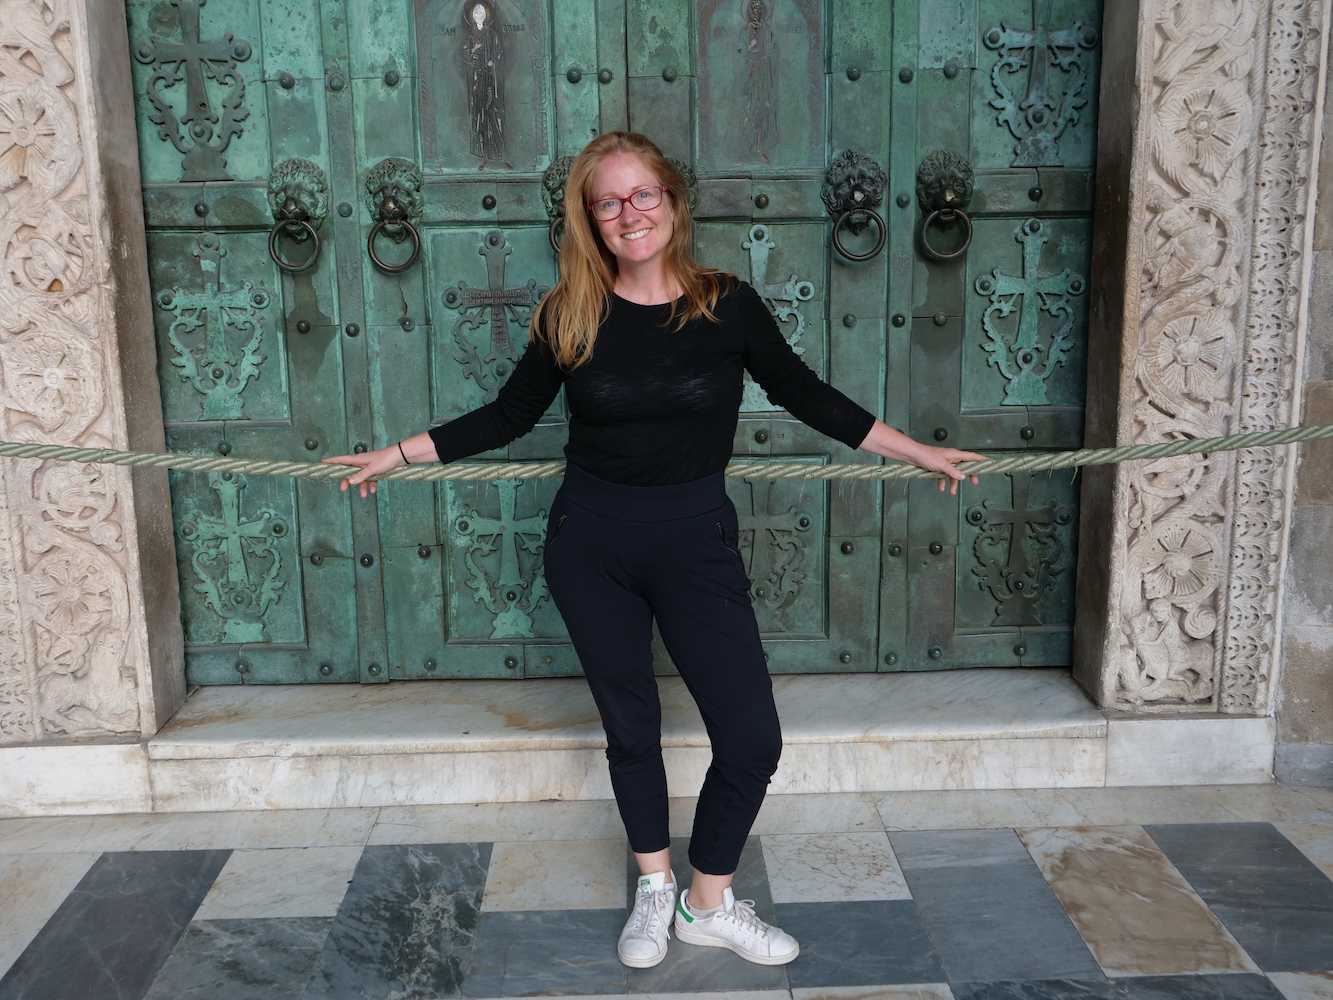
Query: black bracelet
{"x":403,"y":453}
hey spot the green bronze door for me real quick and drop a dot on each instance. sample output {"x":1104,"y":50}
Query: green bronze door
{"x":351,"y":209}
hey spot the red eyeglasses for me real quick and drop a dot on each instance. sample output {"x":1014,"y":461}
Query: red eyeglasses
{"x":607,"y":209}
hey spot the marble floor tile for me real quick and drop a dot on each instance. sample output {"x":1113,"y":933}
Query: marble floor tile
{"x":1314,"y":840}
{"x":281,"y":882}
{"x":1067,"y":807}
{"x":594,"y":819}
{"x":832,"y":867}
{"x":540,"y":952}
{"x":556,"y":875}
{"x":1133,"y":909}
{"x":1237,"y":986}
{"x":1272,"y":898}
{"x":918,"y":991}
{"x":1037,"y":989}
{"x":32,"y":887}
{"x":110,"y":936}
{"x":406,"y":925}
{"x":988,"y":909}
{"x":864,"y":943}
{"x":242,"y":960}
{"x":203,"y":831}
{"x":828,"y":812}
{"x":1304,"y":985}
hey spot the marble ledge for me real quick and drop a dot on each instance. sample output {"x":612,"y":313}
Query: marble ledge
{"x":78,"y":779}
{"x":558,"y":714}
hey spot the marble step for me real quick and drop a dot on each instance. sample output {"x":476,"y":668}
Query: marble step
{"x":410,"y":743}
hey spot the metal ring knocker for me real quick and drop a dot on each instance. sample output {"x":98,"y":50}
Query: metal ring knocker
{"x":843,"y":221}
{"x":288,"y":226}
{"x":556,"y":233}
{"x":947,"y":216}
{"x":392,"y":213}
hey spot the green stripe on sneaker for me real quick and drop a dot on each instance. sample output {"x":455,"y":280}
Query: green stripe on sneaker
{"x":680,"y":905}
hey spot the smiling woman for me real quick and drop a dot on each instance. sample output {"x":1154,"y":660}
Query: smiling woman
{"x":651,"y":350}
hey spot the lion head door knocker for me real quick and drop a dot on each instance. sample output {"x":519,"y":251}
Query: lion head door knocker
{"x":393,"y":193}
{"x":299,"y":199}
{"x":944,"y":186}
{"x":553,"y":193}
{"x":853,"y":188}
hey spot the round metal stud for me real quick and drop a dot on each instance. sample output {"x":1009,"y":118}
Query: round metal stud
{"x":669,"y":74}
{"x":336,"y":82}
{"x":407,"y":323}
{"x":903,"y":200}
{"x":605,"y":76}
{"x":846,"y":548}
{"x":316,"y":560}
{"x":906,"y":74}
{"x":511,"y":662}
{"x":1089,"y":37}
{"x":200,"y":209}
{"x":761,"y":201}
{"x":573,"y":74}
{"x":548,"y":659}
{"x":849,"y":320}
{"x":286,"y":81}
{"x":936,"y":548}
{"x":1027,"y":432}
{"x":899,"y":320}
{"x":941,"y":318}
{"x":941,"y":433}
{"x":224,"y":447}
{"x":326,"y":669}
{"x":853,"y":73}
{"x":374,"y":670}
{"x":345,"y":209}
{"x":242,"y":667}
{"x":935,"y":653}
{"x":303,"y":326}
{"x":1020,"y":650}
{"x":1035,"y":193}
{"x":360,"y":448}
{"x":488,"y":202}
{"x":951,"y":69}
{"x":895,"y":549}
{"x":803,"y":523}
{"x":891,"y":659}
{"x":845,"y":656}
{"x":311,"y":444}
{"x":392,"y":77}
{"x":430,"y":663}
{"x":423,"y":551}
{"x":761,"y":437}
{"x":367,"y":560}
{"x":352,"y":330}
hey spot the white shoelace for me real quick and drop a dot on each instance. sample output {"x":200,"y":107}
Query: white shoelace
{"x":743,"y":915}
{"x":650,"y":909}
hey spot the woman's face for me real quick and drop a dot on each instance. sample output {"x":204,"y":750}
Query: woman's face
{"x":636,"y":236}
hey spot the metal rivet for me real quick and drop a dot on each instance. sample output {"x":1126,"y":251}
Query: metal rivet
{"x":847,"y":548}
{"x":367,"y":560}
{"x":430,"y":664}
{"x":511,"y":662}
{"x":1035,"y":193}
{"x":224,"y":447}
{"x":1020,"y":650}
{"x":941,"y":433}
{"x":895,"y":549}
{"x":936,"y":548}
{"x":374,"y":670}
{"x":407,"y":323}
{"x":669,"y":74}
{"x":242,"y":667}
{"x":853,"y":73}
{"x":303,"y":326}
{"x":941,"y":318}
{"x":906,"y":75}
{"x":200,"y":209}
{"x":548,"y":659}
{"x":286,"y":81}
{"x":849,"y":320}
{"x":311,"y":444}
{"x":360,"y":448}
{"x":423,"y":551}
{"x":392,"y":77}
{"x":605,"y":76}
{"x":891,"y":658}
{"x":199,"y":131}
{"x":934,"y":652}
{"x":761,"y":437}
{"x":899,"y":320}
{"x":1090,"y":37}
{"x":904,"y":200}
{"x":1027,"y":432}
{"x":845,"y":656}
{"x":345,"y":209}
{"x":803,"y":522}
{"x":336,"y":81}
{"x":488,"y":202}
{"x":317,"y":560}
{"x":352,"y":330}
{"x":951,"y":69}
{"x":761,"y":201}
{"x":326,"y":669}
{"x":573,"y":74}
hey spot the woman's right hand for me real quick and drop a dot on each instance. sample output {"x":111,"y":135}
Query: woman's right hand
{"x":373,"y":463}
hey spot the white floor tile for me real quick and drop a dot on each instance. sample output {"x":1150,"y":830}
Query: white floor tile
{"x":556,"y":875}
{"x":283,"y":882}
{"x":832,"y":867}
{"x":1315,"y":841}
{"x":1304,"y":985}
{"x":31,"y":889}
{"x":594,"y":819}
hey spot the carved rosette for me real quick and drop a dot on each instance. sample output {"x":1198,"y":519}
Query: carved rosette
{"x":1230,"y":88}
{"x":67,"y":664}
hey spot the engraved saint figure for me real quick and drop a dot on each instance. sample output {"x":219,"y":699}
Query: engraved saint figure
{"x":760,"y":124}
{"x":482,"y":55}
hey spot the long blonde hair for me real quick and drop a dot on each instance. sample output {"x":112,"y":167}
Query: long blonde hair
{"x":569,"y":315}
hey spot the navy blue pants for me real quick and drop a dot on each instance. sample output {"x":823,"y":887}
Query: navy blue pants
{"x":618,"y":557}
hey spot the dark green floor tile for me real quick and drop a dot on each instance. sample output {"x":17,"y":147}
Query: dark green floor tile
{"x":242,"y":960}
{"x":546,"y":953}
{"x":867,"y":943}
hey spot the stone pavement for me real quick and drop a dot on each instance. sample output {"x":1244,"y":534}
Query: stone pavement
{"x":1192,"y":893}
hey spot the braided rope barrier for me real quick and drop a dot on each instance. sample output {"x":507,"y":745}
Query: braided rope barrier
{"x":1039,"y":461}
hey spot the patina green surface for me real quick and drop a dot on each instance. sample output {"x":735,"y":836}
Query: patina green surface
{"x":292,"y":582}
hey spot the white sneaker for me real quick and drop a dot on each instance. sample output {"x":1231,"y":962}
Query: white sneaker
{"x":734,"y":925}
{"x":643,"y":942}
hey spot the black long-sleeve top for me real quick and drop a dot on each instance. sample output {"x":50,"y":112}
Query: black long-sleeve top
{"x":655,"y":406}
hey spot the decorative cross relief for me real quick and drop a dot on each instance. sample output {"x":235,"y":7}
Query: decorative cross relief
{"x":514,"y":589}
{"x":210,"y":364}
{"x":783,"y":299}
{"x":494,"y":304}
{"x":773,"y":550}
{"x":1039,"y":119}
{"x":1020,"y":551}
{"x":1027,"y":371}
{"x":199,"y":132}
{"x":238,"y":562}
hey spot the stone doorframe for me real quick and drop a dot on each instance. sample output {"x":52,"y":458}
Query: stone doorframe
{"x":1208,"y":137}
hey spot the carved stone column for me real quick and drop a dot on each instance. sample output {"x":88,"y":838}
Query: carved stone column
{"x":90,"y":636}
{"x":1207,"y":140}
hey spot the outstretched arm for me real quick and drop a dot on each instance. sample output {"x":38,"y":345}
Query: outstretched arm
{"x":884,"y":440}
